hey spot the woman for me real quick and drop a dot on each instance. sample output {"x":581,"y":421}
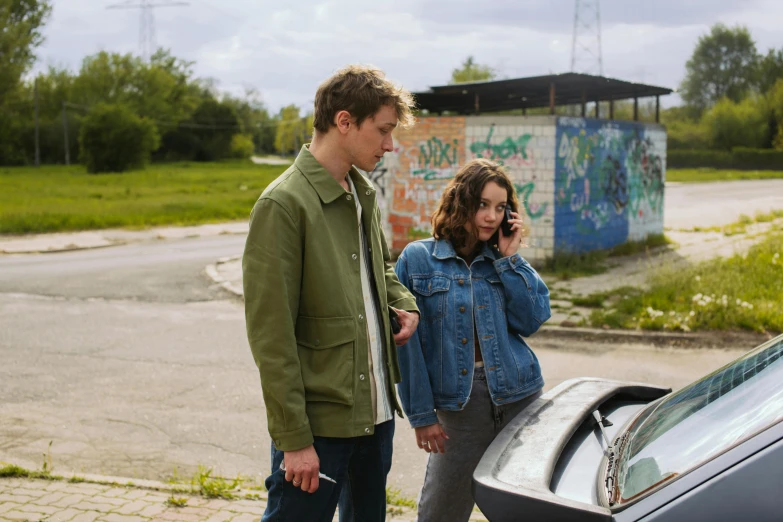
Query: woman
{"x":467,"y":371}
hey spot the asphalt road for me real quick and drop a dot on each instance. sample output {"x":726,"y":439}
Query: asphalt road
{"x":132,"y":362}
{"x":720,"y":203}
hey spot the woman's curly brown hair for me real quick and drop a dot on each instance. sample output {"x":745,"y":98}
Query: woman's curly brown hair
{"x":461,"y":198}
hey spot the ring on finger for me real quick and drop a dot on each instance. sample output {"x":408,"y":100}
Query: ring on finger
{"x":297,"y":484}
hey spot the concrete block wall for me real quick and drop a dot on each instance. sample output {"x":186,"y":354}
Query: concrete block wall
{"x":609,"y":181}
{"x":582,"y":184}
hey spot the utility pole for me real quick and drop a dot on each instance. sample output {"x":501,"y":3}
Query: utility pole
{"x":37,"y":132}
{"x":65,"y":133}
{"x":147,"y":43}
{"x":586,"y":53}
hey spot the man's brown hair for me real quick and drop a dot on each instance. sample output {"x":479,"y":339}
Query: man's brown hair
{"x":461,"y":198}
{"x":362,"y":91}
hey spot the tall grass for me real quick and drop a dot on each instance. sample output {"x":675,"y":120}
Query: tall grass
{"x":740,"y":292}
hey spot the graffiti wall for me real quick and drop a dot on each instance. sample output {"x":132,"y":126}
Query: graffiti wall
{"x":582,"y":184}
{"x":525,"y":146}
{"x":609,"y":180}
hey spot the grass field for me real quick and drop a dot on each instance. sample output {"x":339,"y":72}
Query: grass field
{"x":59,"y":198}
{"x":740,"y":292}
{"x":705,"y":175}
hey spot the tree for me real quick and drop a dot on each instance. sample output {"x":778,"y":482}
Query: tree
{"x":775,"y":100}
{"x":214,"y":124}
{"x":20,"y":35}
{"x":292,"y":130}
{"x":114,"y":139}
{"x":471,"y":72}
{"x":158,"y":89}
{"x":770,"y":70}
{"x":744,"y":124}
{"x":724,"y":64}
{"x":255,"y":119}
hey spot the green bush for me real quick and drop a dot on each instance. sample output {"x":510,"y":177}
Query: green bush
{"x":114,"y":139}
{"x":740,"y":158}
{"x":687,"y":135}
{"x":242,"y":146}
{"x":744,"y":124}
{"x":682,"y":159}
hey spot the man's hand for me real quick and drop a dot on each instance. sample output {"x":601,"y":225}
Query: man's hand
{"x":301,"y":468}
{"x":432,"y":438}
{"x":408,"y":322}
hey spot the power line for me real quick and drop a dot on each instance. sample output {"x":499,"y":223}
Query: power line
{"x":147,"y":43}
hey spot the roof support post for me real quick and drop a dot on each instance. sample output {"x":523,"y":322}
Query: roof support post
{"x":476,"y":103}
{"x":611,"y":109}
{"x":658,"y":109}
{"x":635,"y":109}
{"x":552,"y":98}
{"x":584,"y":104}
{"x":597,"y":109}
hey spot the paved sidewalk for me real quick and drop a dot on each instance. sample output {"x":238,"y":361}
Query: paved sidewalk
{"x":132,"y":500}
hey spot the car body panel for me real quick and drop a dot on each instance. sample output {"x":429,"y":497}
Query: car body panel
{"x":576,"y":470}
{"x":513,"y":478}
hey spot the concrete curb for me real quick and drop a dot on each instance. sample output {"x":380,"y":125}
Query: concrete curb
{"x":89,"y":240}
{"x":214,"y":274}
{"x":716,"y":339}
{"x":127,"y":482}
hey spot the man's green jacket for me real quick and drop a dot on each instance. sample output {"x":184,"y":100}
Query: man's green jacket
{"x":305,"y":309}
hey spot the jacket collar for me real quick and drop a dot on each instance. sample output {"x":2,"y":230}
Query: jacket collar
{"x":325,"y":185}
{"x":444,"y":250}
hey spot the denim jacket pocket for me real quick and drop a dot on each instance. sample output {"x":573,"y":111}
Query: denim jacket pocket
{"x":431,"y":295}
{"x":326,"y":346}
{"x":498,"y":290}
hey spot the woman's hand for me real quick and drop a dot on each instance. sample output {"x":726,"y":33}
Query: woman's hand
{"x":508,"y":245}
{"x":432,"y":438}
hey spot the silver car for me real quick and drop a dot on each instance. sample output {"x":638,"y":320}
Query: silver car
{"x":601,"y":450}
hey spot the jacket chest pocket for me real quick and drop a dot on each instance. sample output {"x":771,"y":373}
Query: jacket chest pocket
{"x":497,"y":290}
{"x":431,"y":295}
{"x":326,"y":357}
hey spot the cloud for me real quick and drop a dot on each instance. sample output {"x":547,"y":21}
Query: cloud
{"x":285,"y":49}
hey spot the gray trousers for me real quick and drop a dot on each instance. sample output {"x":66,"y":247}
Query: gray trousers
{"x":446,"y":495}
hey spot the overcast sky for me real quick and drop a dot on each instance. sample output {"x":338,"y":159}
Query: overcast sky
{"x":285,"y":48}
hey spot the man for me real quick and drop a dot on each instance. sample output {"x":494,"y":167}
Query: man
{"x":318,"y":299}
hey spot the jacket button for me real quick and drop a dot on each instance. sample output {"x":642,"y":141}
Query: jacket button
{"x":317,"y":342}
{"x":368,"y":192}
{"x":461,"y":281}
{"x":361,"y":317}
{"x":361,"y":376}
{"x":464,"y":340}
{"x":349,"y":197}
{"x":366,"y":430}
{"x":462,"y":309}
{"x":354,"y":256}
{"x":464,"y":371}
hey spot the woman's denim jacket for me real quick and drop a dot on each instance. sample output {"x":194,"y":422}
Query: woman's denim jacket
{"x":508,"y":300}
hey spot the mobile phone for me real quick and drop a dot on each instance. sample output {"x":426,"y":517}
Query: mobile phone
{"x":505,"y":226}
{"x":395,"y":323}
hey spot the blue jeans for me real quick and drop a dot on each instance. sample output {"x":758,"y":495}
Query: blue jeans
{"x":358,"y":464}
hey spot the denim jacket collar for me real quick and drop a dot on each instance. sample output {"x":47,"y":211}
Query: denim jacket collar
{"x":444,"y":250}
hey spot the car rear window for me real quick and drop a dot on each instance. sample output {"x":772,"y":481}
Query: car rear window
{"x":695,"y":424}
